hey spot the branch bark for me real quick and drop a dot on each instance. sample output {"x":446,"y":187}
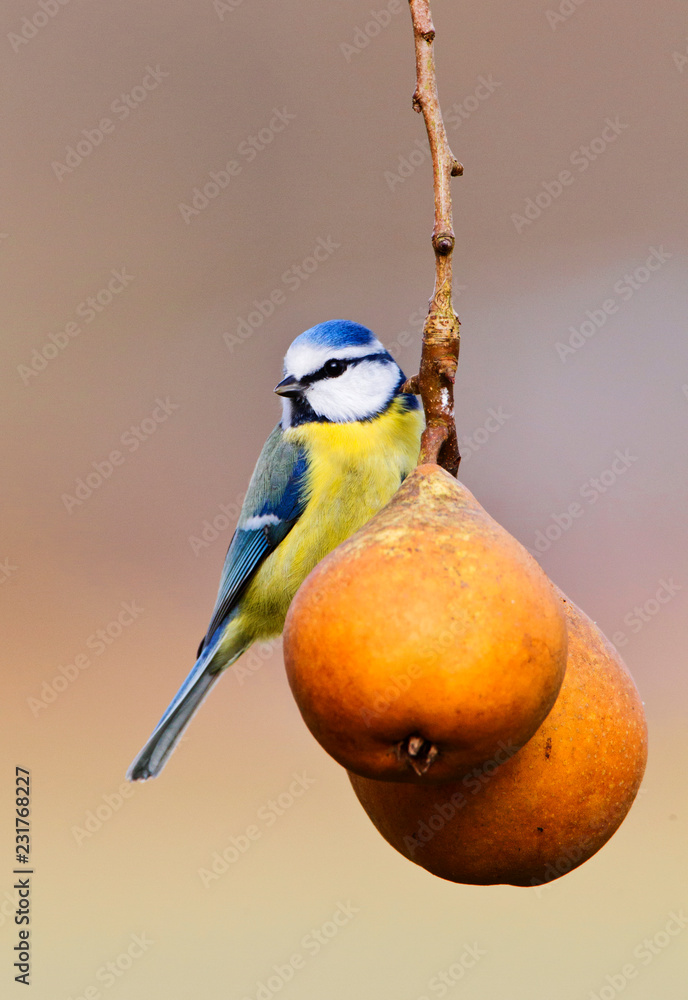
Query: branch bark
{"x":435,"y":380}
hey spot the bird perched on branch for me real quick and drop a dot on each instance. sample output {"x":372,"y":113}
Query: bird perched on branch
{"x":347,"y":439}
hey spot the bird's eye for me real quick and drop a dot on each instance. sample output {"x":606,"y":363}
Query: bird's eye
{"x":334,"y":367}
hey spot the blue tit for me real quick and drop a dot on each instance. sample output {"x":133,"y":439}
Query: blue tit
{"x":347,"y":439}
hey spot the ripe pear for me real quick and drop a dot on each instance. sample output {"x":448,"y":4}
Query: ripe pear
{"x":427,"y":640}
{"x":532,"y":818}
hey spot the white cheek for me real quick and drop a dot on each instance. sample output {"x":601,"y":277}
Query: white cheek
{"x":361,"y":392}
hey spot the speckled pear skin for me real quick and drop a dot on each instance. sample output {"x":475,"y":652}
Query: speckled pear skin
{"x":549,"y":807}
{"x":431,"y":620}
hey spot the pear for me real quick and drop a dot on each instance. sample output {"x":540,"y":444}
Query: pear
{"x":531,"y":818}
{"x":427,"y":640}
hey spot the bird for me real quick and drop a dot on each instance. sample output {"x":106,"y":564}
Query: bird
{"x":348,"y":437}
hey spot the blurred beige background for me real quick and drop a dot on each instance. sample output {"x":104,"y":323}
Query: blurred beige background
{"x":572,"y":129}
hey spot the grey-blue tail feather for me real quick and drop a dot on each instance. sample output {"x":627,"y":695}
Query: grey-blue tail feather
{"x":150,"y":761}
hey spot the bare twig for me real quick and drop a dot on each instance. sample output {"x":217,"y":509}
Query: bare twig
{"x":435,"y":380}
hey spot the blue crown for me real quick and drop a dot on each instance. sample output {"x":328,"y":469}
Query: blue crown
{"x":337,"y":333}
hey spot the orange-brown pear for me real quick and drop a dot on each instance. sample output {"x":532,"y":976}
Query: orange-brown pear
{"x":548,"y":808}
{"x":427,"y":641}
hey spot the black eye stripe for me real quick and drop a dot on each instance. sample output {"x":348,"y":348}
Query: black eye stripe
{"x":348,"y":362}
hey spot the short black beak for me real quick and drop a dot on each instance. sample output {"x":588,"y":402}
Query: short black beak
{"x":289,"y":386}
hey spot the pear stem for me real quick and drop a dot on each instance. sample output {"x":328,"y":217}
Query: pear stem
{"x":440,"y":354}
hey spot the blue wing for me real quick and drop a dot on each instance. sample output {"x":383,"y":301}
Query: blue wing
{"x":275,"y":500}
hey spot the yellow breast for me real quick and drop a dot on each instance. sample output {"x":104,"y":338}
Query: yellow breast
{"x":354,"y":469}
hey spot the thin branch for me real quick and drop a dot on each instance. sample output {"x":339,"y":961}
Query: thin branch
{"x":435,"y":380}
